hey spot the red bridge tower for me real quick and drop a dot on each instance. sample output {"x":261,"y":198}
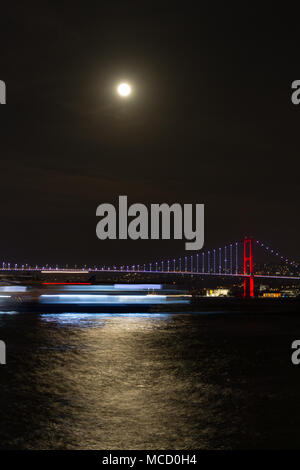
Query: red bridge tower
{"x":248,"y":268}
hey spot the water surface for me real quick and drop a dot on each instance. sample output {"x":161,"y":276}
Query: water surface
{"x":149,"y":381}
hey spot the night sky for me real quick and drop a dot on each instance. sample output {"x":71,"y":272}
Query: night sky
{"x":210,"y":121}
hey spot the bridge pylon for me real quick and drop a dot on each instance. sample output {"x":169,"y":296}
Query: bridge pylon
{"x":248,"y":267}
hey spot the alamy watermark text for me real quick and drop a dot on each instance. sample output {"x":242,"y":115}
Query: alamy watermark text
{"x":2,"y":352}
{"x":2,"y":92}
{"x":188,"y":222}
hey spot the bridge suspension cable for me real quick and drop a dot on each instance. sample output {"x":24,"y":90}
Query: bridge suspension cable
{"x":274,"y":252}
{"x":217,"y":261}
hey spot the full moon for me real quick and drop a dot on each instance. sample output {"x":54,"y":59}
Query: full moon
{"x":124,"y":89}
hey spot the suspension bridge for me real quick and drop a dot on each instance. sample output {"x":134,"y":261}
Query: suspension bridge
{"x":234,"y":260}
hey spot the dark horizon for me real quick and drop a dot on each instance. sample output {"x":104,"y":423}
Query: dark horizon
{"x":211,"y":121}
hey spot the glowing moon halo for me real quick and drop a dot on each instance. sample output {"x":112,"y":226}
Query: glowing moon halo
{"x":124,"y":89}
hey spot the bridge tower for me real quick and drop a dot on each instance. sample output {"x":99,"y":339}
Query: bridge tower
{"x":248,"y":268}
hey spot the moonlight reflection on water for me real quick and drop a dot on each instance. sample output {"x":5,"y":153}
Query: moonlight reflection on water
{"x":147,"y":381}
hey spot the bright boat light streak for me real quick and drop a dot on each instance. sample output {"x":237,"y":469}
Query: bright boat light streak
{"x":88,"y":288}
{"x":13,"y":288}
{"x":137,"y":286}
{"x":101,"y":299}
{"x":10,"y":312}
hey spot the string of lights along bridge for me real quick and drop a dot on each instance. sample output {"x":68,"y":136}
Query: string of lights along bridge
{"x":234,"y":259}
